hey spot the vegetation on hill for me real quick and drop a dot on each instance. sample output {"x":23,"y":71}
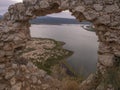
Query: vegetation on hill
{"x":56,"y":21}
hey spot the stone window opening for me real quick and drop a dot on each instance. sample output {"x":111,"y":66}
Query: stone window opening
{"x":104,"y":15}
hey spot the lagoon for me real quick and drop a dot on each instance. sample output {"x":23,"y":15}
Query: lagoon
{"x":83,"y":43}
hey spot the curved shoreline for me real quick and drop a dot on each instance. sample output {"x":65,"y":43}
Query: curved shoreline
{"x":50,"y":48}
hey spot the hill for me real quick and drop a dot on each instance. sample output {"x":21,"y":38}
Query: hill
{"x":54,"y":20}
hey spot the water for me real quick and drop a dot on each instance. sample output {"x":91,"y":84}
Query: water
{"x":83,"y":43}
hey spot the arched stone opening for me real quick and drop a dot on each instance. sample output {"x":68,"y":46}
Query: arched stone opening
{"x":14,"y":32}
{"x":81,"y":42}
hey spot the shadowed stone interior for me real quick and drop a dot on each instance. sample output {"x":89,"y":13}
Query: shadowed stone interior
{"x":14,"y":33}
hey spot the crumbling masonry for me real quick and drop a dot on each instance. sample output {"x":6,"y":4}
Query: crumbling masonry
{"x":19,"y":74}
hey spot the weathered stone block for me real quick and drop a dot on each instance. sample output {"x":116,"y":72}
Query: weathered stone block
{"x":87,"y":2}
{"x":2,"y":53}
{"x":90,"y":15}
{"x":17,"y":86}
{"x":80,"y":9}
{"x":104,"y":19}
{"x":98,"y":7}
{"x":109,"y":2}
{"x":44,"y":4}
{"x":106,"y":60}
{"x":111,"y":8}
{"x":9,"y":74}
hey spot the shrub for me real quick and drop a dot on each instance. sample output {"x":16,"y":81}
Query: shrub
{"x":70,"y":85}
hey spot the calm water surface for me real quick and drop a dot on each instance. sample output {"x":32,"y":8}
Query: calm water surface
{"x":83,"y":43}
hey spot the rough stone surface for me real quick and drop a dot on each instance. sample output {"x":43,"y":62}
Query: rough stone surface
{"x":14,"y":33}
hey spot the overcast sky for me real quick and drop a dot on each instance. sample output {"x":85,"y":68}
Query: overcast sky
{"x":4,"y":4}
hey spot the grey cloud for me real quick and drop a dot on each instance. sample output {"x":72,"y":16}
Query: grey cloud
{"x":4,"y":4}
{"x":62,"y":15}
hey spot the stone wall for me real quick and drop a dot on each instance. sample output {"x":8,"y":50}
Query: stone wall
{"x":14,"y":33}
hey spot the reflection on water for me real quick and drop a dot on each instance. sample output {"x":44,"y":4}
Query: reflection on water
{"x":83,"y":43}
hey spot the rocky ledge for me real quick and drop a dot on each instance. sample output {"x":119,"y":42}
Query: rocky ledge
{"x":25,"y":76}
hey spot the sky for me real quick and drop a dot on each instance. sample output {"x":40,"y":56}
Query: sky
{"x":4,"y":4}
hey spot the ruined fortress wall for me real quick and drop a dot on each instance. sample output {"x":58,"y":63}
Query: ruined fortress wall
{"x":14,"y":33}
